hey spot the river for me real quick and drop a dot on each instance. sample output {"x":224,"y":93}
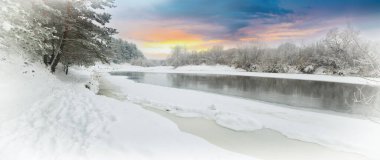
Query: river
{"x":264,"y":144}
{"x":330,"y":96}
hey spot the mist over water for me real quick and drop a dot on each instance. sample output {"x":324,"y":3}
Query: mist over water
{"x":331,"y":96}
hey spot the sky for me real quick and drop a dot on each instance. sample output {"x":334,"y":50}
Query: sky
{"x":158,"y":25}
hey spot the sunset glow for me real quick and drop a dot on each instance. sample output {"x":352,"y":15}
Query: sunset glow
{"x":157,"y":26}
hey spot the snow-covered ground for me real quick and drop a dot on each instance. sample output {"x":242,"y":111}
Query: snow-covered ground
{"x":345,"y":133}
{"x":45,"y":117}
{"x":226,"y":70}
{"x":335,"y":131}
{"x":55,"y":117}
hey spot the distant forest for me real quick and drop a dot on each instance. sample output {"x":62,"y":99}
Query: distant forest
{"x":340,"y":52}
{"x":124,"y":52}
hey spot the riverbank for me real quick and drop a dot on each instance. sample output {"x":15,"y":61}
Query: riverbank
{"x":344,"y":133}
{"x":226,"y":70}
{"x":260,"y":143}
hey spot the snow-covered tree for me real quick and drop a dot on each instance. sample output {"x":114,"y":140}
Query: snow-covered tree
{"x":23,"y":26}
{"x":83,"y":35}
{"x":71,"y":32}
{"x":178,"y":57}
{"x":123,"y":52}
{"x":349,"y":50}
{"x":340,"y":52}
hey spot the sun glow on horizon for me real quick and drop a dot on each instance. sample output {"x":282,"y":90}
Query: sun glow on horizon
{"x":159,"y":25}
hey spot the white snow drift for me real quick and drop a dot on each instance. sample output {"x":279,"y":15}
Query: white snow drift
{"x":44,"y":117}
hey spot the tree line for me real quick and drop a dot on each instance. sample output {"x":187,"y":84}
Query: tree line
{"x":340,"y":52}
{"x":69,"y":32}
{"x":124,"y":52}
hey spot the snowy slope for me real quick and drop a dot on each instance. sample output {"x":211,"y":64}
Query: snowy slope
{"x":335,"y":131}
{"x":44,"y":117}
{"x":226,"y":70}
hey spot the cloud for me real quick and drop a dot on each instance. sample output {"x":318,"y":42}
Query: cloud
{"x":231,"y":14}
{"x":157,"y":25}
{"x":161,"y":39}
{"x":223,"y":19}
{"x":334,"y":7}
{"x":167,"y":36}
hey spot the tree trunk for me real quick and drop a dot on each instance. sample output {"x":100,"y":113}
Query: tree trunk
{"x":66,"y":69}
{"x":45,"y":58}
{"x":56,"y":61}
{"x":58,"y":56}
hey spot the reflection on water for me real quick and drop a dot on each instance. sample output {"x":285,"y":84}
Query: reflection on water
{"x":300,"y":93}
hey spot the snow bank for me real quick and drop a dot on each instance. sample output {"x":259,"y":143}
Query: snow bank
{"x":237,"y":122}
{"x":44,"y":117}
{"x":226,"y":70}
{"x":339,"y":132}
{"x":203,"y":68}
